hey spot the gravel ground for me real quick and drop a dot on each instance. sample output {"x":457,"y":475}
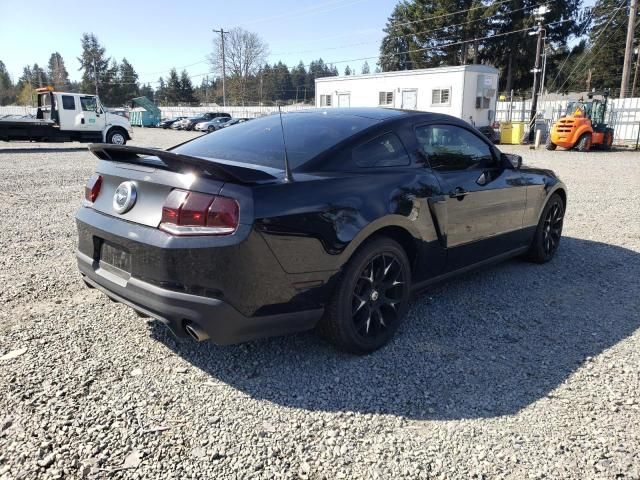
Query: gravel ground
{"x":521,"y":371}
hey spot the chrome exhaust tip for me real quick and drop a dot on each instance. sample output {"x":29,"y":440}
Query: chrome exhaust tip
{"x":195,"y":332}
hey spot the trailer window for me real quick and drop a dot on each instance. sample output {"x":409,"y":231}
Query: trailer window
{"x":440,"y":96}
{"x":325,"y":100}
{"x":88,"y":104}
{"x":68,"y":102}
{"x":385,"y":98}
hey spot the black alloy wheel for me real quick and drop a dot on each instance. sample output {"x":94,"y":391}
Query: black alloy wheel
{"x":370,"y":298}
{"x":377,"y":295}
{"x":549,"y":231}
{"x":552,"y":229}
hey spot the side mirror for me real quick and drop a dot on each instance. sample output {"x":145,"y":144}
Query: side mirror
{"x":515,"y":161}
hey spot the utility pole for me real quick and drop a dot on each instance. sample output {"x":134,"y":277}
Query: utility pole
{"x":95,"y":74}
{"x":628,"y":50}
{"x":224,"y":73}
{"x":635,"y":75}
{"x":536,"y":70}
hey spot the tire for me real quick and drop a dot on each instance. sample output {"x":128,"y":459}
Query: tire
{"x":546,"y":240}
{"x":361,"y":317}
{"x":551,"y":146}
{"x":117,"y":136}
{"x":211,"y":129}
{"x":584,"y":142}
{"x":608,"y":140}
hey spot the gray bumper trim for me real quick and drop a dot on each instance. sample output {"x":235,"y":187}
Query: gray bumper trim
{"x":224,"y":324}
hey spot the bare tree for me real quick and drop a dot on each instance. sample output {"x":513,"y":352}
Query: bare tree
{"x":245,"y":53}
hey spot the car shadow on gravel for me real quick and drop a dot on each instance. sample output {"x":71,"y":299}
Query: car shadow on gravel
{"x":485,"y":344}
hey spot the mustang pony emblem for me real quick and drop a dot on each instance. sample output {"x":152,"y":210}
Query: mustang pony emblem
{"x":125,"y":197}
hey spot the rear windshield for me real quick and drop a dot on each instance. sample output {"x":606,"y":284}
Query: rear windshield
{"x":259,"y":141}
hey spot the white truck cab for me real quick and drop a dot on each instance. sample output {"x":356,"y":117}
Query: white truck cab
{"x":62,"y":116}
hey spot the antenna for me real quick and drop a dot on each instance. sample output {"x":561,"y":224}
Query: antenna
{"x":287,"y":169}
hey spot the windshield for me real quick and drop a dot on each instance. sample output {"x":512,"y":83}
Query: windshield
{"x":259,"y":141}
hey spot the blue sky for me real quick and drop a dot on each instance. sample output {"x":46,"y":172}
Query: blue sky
{"x":155,"y":36}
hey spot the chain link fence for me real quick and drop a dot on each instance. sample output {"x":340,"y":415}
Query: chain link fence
{"x":623,"y":115}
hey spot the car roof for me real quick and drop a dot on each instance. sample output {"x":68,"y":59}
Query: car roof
{"x":375,"y":113}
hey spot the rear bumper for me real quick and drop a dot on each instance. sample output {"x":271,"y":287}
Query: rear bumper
{"x":223,"y":323}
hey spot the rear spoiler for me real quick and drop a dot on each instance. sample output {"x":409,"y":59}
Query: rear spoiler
{"x":179,"y":163}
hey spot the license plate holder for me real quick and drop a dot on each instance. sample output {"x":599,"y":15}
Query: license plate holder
{"x":116,"y":257}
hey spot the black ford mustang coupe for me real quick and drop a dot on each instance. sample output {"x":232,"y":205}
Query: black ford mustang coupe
{"x":221,"y":239}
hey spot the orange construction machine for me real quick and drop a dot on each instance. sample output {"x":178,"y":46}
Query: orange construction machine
{"x":582,"y":126}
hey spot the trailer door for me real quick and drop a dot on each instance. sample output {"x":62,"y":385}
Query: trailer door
{"x":410,"y":99}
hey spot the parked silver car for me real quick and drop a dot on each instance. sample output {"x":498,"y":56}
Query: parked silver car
{"x":212,"y":125}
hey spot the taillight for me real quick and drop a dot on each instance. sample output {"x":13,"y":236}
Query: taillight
{"x":92,"y":188}
{"x":192,"y":213}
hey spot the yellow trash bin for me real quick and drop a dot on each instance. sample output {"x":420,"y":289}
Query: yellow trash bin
{"x":517,"y":131}
{"x":511,"y":132}
{"x":505,"y":132}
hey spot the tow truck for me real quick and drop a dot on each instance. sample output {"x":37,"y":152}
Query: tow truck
{"x":67,"y":117}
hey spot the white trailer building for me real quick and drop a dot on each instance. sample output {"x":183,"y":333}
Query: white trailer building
{"x":467,"y":91}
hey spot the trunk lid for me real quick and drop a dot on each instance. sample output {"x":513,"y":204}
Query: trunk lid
{"x":152,"y":174}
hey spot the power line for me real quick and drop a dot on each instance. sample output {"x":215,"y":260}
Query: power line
{"x":587,"y":22}
{"x":414,"y":33}
{"x":613,"y":14}
{"x":448,"y":14}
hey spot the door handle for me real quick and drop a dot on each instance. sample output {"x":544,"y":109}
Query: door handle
{"x":458,"y":193}
{"x":82,"y":120}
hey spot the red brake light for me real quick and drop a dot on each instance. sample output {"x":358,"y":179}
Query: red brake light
{"x":172,"y":205}
{"x":223,"y":213}
{"x":92,"y":188}
{"x":192,"y":213}
{"x":194,"y":210}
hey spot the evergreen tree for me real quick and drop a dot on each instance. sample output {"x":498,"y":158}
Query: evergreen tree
{"x":57,"y":72}
{"x":431,"y":33}
{"x":266,"y":87}
{"x":282,"y":82}
{"x":127,"y":79}
{"x":298,"y":78}
{"x":185,"y":88}
{"x":605,"y":53}
{"x":38,"y":76}
{"x":93,"y":63}
{"x":172,"y":89}
{"x":365,"y":68}
{"x":347,"y":70}
{"x":147,"y":91}
{"x":7,"y":93}
{"x":161,"y":92}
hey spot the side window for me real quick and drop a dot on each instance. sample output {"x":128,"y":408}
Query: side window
{"x":449,"y":147}
{"x":88,"y":104}
{"x":440,"y":96}
{"x":384,"y":151}
{"x":68,"y":102}
{"x":325,"y":100}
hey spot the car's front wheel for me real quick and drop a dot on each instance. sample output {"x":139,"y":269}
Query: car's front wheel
{"x":371,"y":298}
{"x":546,"y":239}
